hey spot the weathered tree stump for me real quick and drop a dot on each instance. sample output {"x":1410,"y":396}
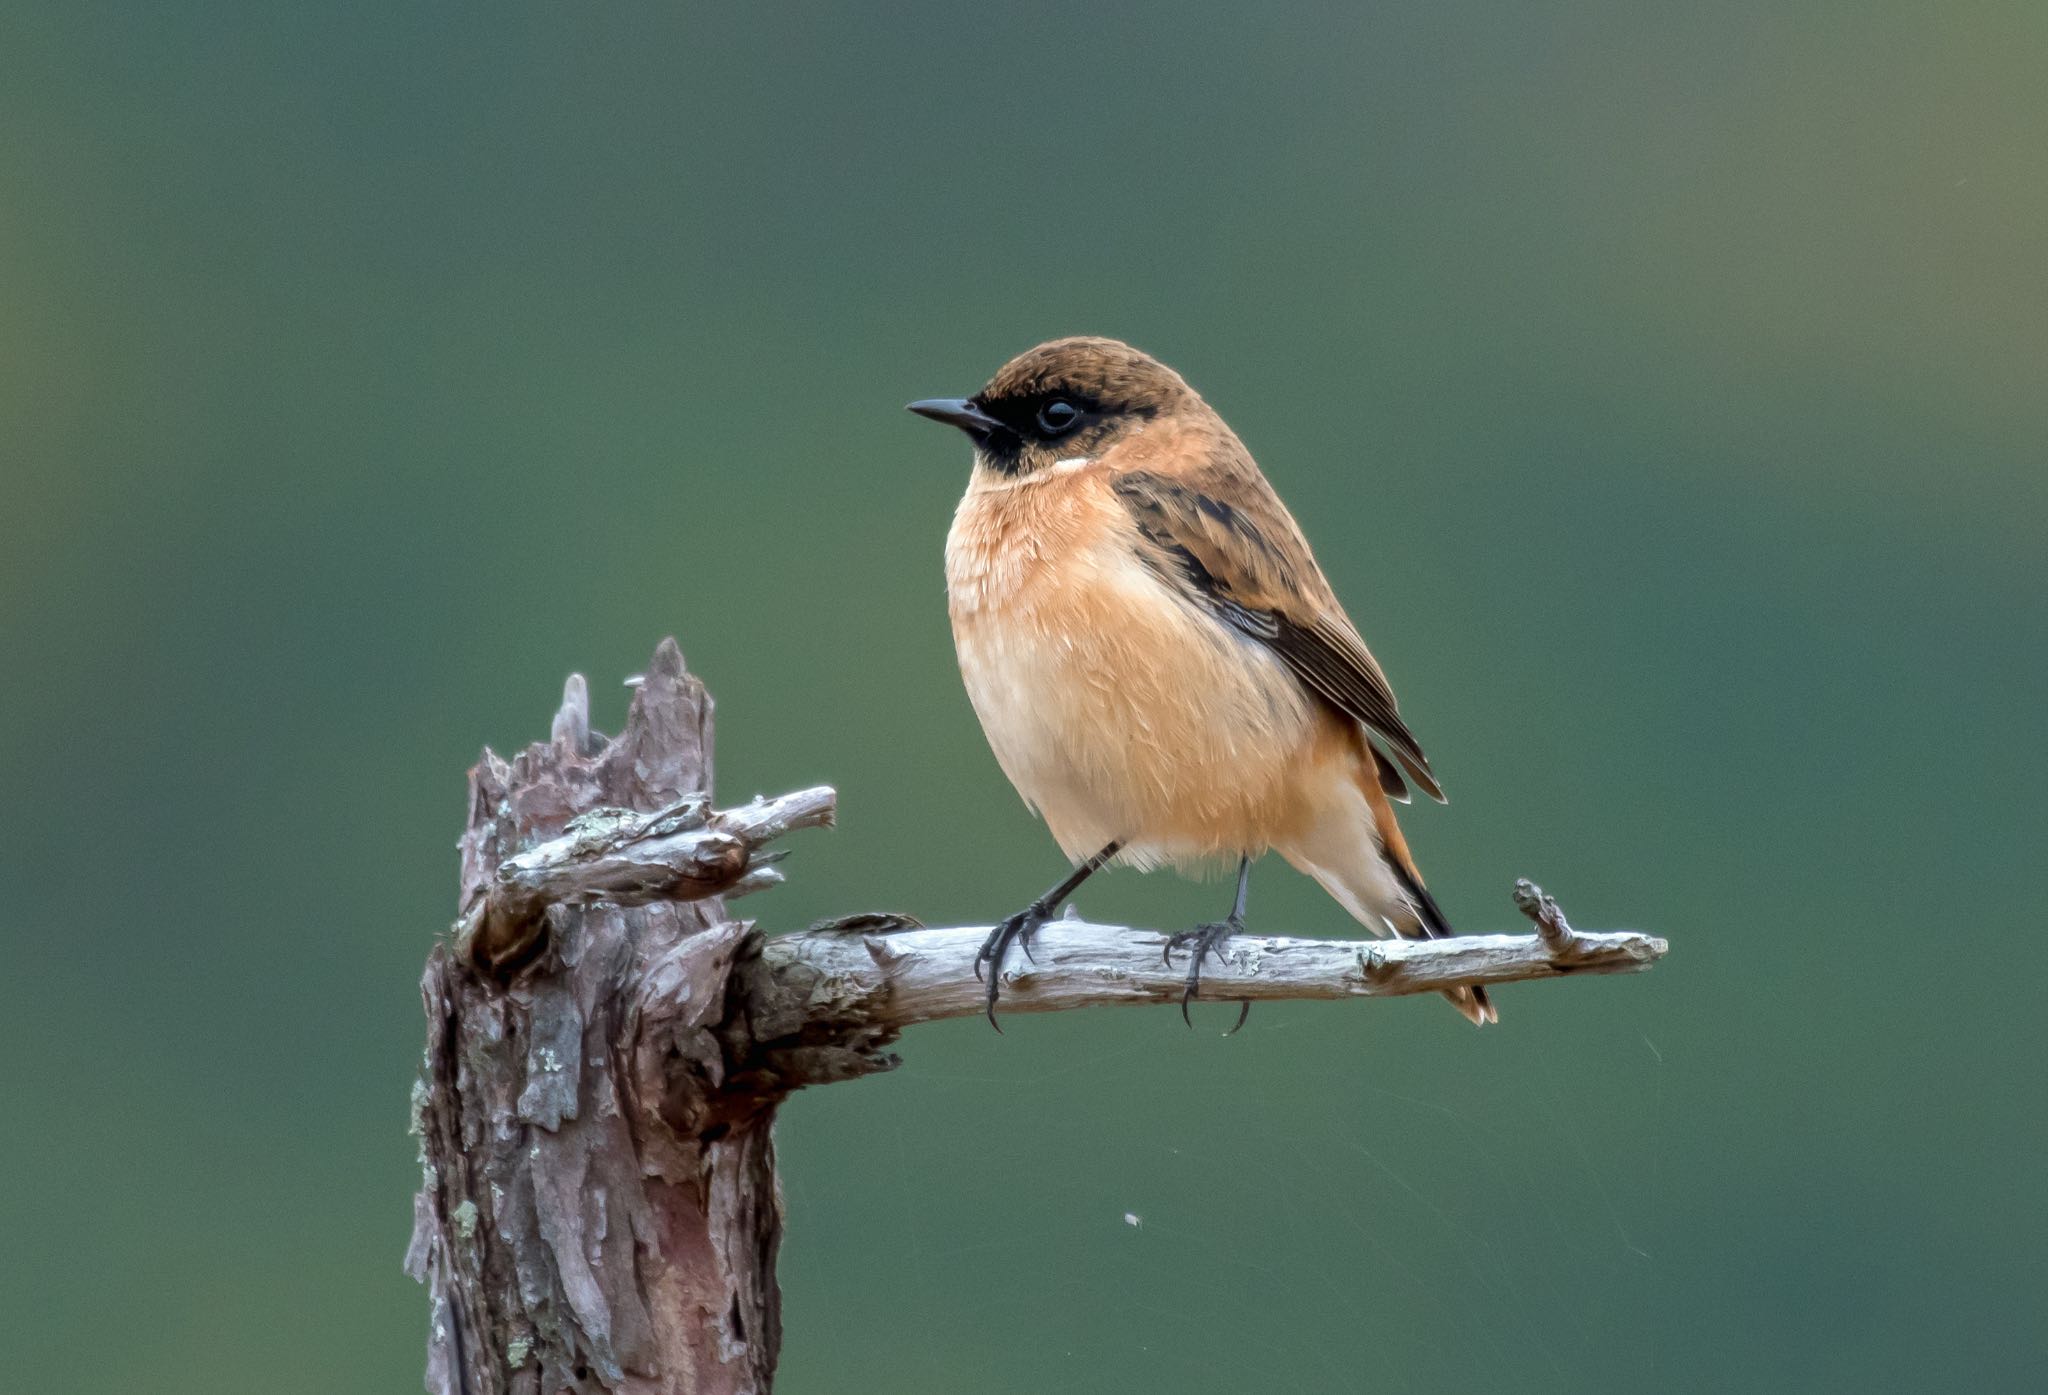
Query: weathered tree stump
{"x":599,"y":1211}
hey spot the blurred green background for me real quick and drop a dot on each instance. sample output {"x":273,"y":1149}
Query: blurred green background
{"x":1663,"y":387}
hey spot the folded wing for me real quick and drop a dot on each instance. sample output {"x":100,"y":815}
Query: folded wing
{"x":1224,"y":536}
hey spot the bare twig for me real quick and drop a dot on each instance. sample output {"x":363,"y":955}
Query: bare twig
{"x":898,"y":980}
{"x":1565,"y":944}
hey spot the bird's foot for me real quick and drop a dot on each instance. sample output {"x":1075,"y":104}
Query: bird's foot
{"x":1017,"y":930}
{"x":1204,"y":939}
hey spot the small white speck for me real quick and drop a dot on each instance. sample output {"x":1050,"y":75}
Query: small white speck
{"x":1134,"y":1220}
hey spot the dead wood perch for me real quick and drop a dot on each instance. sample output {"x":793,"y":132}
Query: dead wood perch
{"x":599,"y":1209}
{"x":918,"y":976}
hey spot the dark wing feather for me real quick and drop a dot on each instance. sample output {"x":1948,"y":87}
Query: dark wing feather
{"x":1333,"y":660}
{"x":1223,"y":534}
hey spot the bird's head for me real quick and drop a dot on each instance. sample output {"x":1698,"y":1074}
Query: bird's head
{"x":1070,"y":399}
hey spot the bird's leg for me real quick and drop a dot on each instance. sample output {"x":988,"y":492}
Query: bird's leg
{"x":1019,"y":928}
{"x":1205,"y":938}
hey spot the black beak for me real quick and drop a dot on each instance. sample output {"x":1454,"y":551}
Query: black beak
{"x":958,"y":411}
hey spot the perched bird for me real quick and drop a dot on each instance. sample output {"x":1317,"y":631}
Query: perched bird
{"x":1158,"y":662}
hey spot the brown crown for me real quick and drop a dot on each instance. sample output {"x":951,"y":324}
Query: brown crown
{"x":1106,"y":371}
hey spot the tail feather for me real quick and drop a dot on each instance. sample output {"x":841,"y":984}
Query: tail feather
{"x":1473,"y":1002}
{"x":1361,"y":859}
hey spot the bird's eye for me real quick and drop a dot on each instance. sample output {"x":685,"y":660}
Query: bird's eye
{"x":1058,"y":417}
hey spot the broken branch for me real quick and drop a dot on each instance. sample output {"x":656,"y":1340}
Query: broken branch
{"x":618,"y":857}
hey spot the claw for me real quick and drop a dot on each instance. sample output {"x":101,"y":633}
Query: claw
{"x":995,"y":973}
{"x":1024,"y":924}
{"x":1206,"y":939}
{"x":1018,"y":930}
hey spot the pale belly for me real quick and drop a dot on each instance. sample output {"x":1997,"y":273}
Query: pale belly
{"x":1120,"y":711}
